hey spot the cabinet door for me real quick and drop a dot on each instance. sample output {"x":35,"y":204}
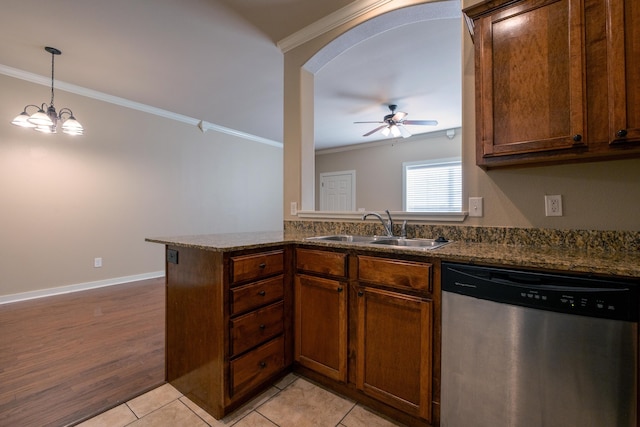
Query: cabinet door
{"x":394,"y":350}
{"x":321,"y":325}
{"x":529,"y":79}
{"x":623,"y":35}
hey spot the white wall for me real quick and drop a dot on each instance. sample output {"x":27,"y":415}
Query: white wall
{"x":378,"y":166}
{"x":133,"y":175}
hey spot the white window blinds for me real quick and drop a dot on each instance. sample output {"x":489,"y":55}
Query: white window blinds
{"x":432,"y":186}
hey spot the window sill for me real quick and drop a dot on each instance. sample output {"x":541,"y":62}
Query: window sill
{"x":397,"y":215}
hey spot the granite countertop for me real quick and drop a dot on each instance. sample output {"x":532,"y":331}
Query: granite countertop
{"x":224,"y":242}
{"x":615,"y":263}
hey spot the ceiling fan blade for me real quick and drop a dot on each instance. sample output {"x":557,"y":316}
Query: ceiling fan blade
{"x":404,"y":132}
{"x":397,"y":117}
{"x":375,"y":130}
{"x":369,"y":122}
{"x":421,"y":122}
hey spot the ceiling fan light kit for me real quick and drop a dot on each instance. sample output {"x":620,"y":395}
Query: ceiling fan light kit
{"x":393,"y":124}
{"x":46,"y":119}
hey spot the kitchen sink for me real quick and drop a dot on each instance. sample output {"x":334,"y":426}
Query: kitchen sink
{"x":346,"y":238}
{"x":413,"y":243}
{"x":399,"y":242}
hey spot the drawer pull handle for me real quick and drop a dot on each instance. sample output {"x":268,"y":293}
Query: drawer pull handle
{"x":261,"y":327}
{"x":262,"y":265}
{"x":262,"y":293}
{"x":263,"y":365}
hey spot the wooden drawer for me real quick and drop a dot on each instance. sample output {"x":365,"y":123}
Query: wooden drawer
{"x":323,"y":262}
{"x":248,"y":297}
{"x":254,"y":328}
{"x":256,"y":266}
{"x":395,"y":273}
{"x":252,"y":369}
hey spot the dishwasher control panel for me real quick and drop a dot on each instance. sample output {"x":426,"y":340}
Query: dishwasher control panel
{"x":595,"y":297}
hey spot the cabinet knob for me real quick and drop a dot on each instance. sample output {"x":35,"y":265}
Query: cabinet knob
{"x":577,"y":138}
{"x":262,"y":327}
{"x":360,"y":293}
{"x":262,"y":293}
{"x":263,"y":365}
{"x":263,"y":265}
{"x":339,"y":288}
{"x":621,"y":133}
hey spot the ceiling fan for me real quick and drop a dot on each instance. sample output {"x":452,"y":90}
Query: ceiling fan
{"x":394,"y":124}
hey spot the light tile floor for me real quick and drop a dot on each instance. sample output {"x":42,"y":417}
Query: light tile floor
{"x":293,"y":401}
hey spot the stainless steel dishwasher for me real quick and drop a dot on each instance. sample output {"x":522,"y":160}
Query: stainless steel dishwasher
{"x":527,"y":349}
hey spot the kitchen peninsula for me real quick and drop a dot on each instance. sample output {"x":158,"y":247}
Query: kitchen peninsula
{"x":234,"y":321}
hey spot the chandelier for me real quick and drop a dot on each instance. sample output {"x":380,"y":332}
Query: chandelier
{"x":46,"y":119}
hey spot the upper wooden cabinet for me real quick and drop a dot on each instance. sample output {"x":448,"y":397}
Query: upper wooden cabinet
{"x":556,"y":80}
{"x":623,"y":35}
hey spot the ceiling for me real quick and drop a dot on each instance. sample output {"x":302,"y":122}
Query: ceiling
{"x":218,"y":61}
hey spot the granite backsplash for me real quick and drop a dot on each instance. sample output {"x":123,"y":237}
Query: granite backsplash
{"x":590,"y":240}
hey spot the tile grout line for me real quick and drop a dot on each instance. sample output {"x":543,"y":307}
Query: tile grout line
{"x":179,"y":399}
{"x":280,"y":390}
{"x":346,"y":415}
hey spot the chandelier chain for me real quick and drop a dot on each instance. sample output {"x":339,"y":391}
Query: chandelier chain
{"x":52,"y":65}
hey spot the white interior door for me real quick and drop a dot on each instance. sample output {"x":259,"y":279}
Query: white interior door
{"x":337,"y":191}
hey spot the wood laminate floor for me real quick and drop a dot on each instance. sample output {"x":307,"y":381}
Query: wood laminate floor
{"x":67,"y":357}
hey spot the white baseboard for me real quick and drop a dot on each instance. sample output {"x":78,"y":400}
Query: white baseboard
{"x":23,"y":296}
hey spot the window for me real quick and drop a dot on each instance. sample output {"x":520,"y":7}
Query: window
{"x":432,"y":186}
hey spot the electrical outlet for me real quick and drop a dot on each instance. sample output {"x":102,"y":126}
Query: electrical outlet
{"x":97,"y":262}
{"x":172,"y":256}
{"x":553,"y":205}
{"x":294,"y":208}
{"x":475,"y":206}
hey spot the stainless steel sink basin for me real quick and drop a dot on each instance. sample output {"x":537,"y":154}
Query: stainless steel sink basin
{"x":399,"y":242}
{"x":344,"y":238}
{"x":412,"y":243}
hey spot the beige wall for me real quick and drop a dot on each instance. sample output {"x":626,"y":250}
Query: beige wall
{"x":132,"y":175}
{"x":599,"y":196}
{"x":378,"y":166}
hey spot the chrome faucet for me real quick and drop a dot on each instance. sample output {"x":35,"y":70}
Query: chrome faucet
{"x":388,"y":225}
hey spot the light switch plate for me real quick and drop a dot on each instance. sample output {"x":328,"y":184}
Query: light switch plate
{"x":475,"y":206}
{"x":294,"y":208}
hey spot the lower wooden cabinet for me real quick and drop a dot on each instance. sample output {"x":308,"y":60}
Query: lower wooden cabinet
{"x":228,"y":316}
{"x":362,"y":324}
{"x":368,"y":329}
{"x":321,"y":325}
{"x":252,"y":369}
{"x":394,"y":347}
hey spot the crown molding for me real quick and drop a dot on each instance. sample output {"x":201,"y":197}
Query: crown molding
{"x":123,"y":102}
{"x":329,"y":22}
{"x":391,"y":141}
